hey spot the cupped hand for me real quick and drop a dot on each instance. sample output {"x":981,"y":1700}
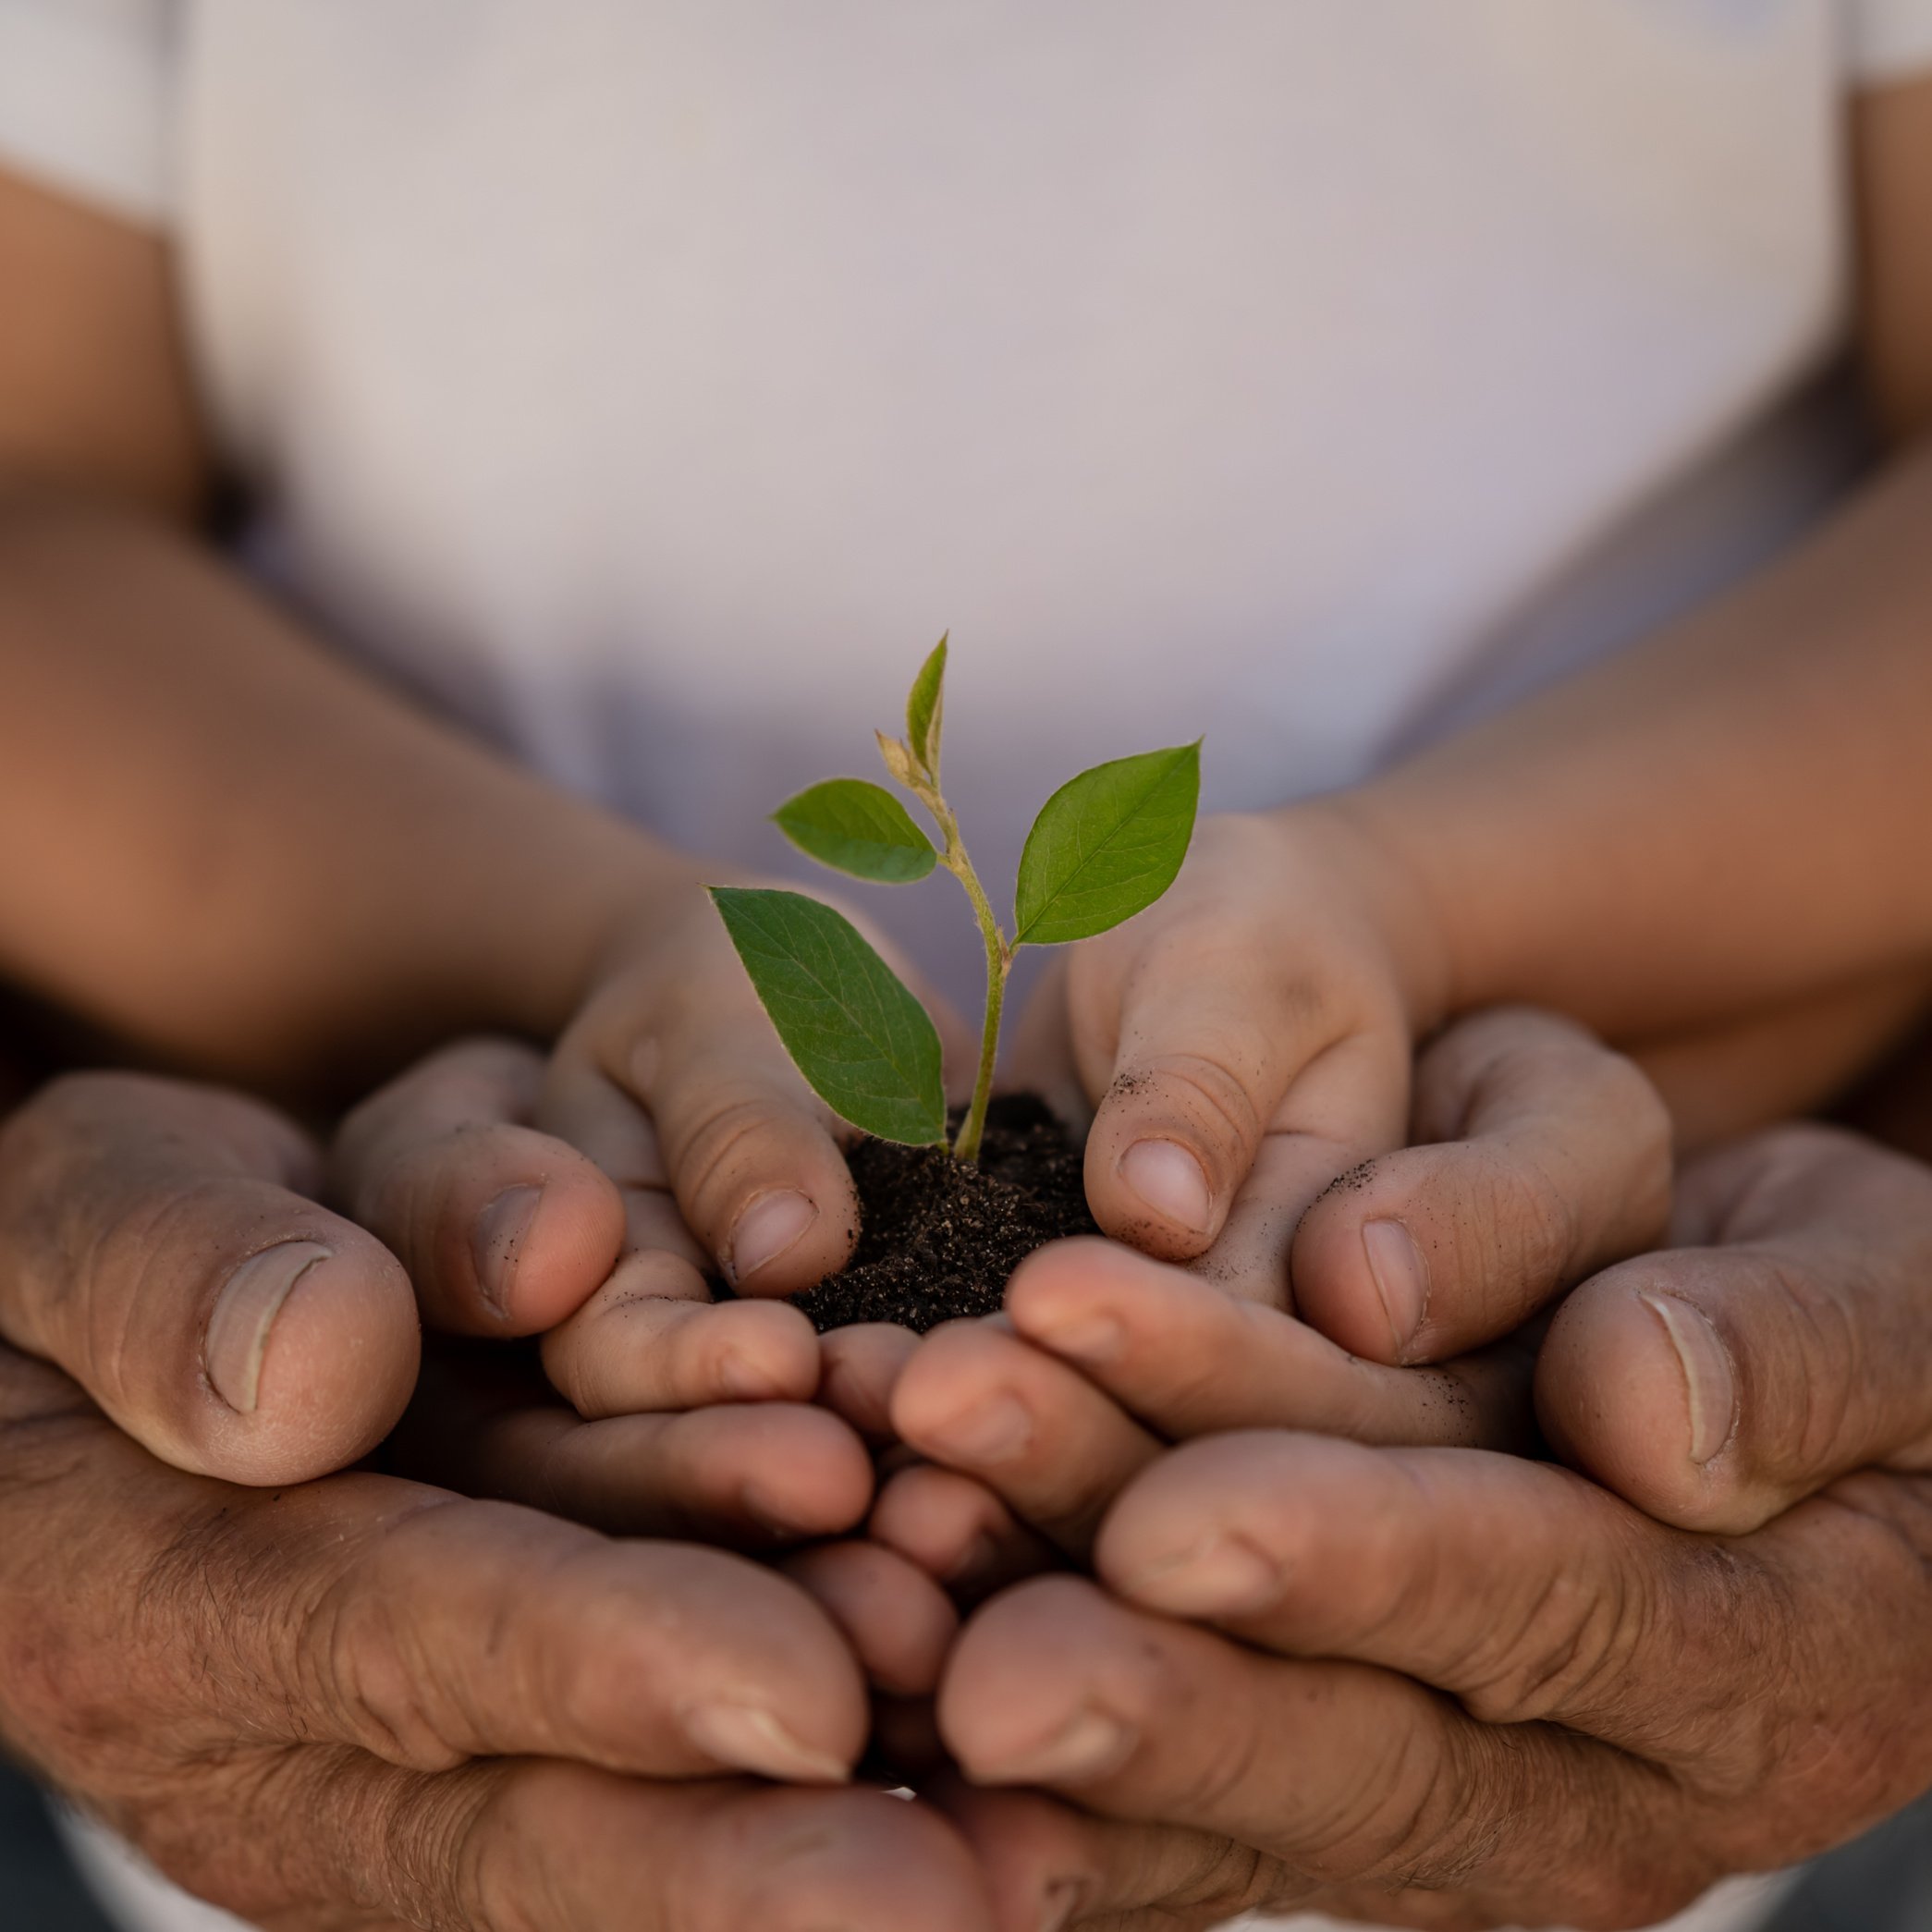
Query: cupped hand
{"x":1246,"y":1044}
{"x":1554,"y":1156}
{"x":163,"y":1245}
{"x":363,"y":1700}
{"x":680,"y":1415}
{"x":1448,"y":1688}
{"x":1243,"y":1040}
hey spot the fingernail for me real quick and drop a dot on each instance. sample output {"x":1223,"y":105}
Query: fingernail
{"x":245,"y":1312}
{"x":994,"y":1431}
{"x":750,"y":1739}
{"x":1090,"y":1745}
{"x":501,"y":1229}
{"x":1400,"y":1275}
{"x":765,"y":1229}
{"x":1063,"y":1898}
{"x":1170,"y":1179}
{"x":1094,"y":1338}
{"x":1710,"y":1388}
{"x":1217,"y":1576}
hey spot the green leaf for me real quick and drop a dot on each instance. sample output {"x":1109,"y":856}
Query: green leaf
{"x":865,"y":1044}
{"x":1107,"y":844}
{"x":925,"y":708}
{"x":855,"y":825}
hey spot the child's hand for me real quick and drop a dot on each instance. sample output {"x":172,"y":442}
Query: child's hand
{"x":1250,"y":1038}
{"x":673,"y":1080}
{"x":688,"y":1417}
{"x":1244,"y":1040}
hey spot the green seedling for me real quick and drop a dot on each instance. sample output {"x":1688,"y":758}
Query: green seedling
{"x":1105,"y":846}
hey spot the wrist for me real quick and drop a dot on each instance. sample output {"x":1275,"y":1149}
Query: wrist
{"x":592,"y":883}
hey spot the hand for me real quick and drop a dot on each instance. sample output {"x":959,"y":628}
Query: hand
{"x":680,"y":1415}
{"x":365,"y":1701}
{"x":1559,"y":1161}
{"x":1247,"y":1040}
{"x":1532,"y":1703}
{"x":673,"y":1080}
{"x":165,"y":1251}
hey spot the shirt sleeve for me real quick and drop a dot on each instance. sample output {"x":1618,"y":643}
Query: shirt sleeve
{"x":85,"y":100}
{"x":1888,"y":40}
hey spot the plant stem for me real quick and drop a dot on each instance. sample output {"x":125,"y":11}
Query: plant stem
{"x":999,"y":962}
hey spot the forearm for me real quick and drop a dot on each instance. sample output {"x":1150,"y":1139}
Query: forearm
{"x":232,"y":852}
{"x":1725,"y":1081}
{"x":1730,"y":817}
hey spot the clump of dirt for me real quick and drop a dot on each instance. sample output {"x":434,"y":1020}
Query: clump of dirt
{"x":939,"y":1237}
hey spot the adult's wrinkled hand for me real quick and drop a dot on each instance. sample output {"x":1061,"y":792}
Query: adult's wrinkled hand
{"x":1448,"y":1688}
{"x":366,"y":1701}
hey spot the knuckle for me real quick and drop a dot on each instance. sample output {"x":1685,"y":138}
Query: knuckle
{"x":488,"y":1858}
{"x":363,"y":1659}
{"x":727,"y":1149}
{"x":1566,"y":1650}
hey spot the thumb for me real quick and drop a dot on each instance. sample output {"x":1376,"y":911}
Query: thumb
{"x":1716,"y":1387}
{"x":154,"y":1244}
{"x":751,"y":1154}
{"x":1539,"y":1155}
{"x":1213,"y":1055}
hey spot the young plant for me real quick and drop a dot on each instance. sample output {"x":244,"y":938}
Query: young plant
{"x":1105,"y":845}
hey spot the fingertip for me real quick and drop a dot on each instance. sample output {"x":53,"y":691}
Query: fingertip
{"x":1636,"y":1388}
{"x":1151,"y":1188}
{"x":860,"y":1367}
{"x":1361,"y":1274}
{"x":544,"y":1237}
{"x":1075,"y":1298}
{"x":895,"y":1616}
{"x":758,"y":1176}
{"x":758,"y":1257}
{"x":312,"y":1352}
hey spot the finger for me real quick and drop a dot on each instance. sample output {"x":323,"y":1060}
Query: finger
{"x":560,"y":1847}
{"x":396,"y":1619}
{"x":504,"y":1230}
{"x":1214,"y":1058}
{"x":958,"y":1532}
{"x":606,"y":1124}
{"x":1051,"y":1446}
{"x":1716,"y":1387}
{"x":1348,"y":1774}
{"x":1049,"y":1863}
{"x":1543,"y":1155}
{"x":859,"y":1366}
{"x":156,"y":1242}
{"x":1189,"y":1360}
{"x":739,"y":1857}
{"x":1524,"y":1591}
{"x":896,"y":1619}
{"x":752,"y":1475}
{"x":629,"y":1351}
{"x":747,"y":1149}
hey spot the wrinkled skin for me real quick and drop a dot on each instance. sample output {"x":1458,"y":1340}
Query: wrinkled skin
{"x":366,"y":1701}
{"x":1445,"y":1687}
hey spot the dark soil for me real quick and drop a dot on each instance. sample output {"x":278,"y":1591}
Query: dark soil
{"x":939,"y":1237}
